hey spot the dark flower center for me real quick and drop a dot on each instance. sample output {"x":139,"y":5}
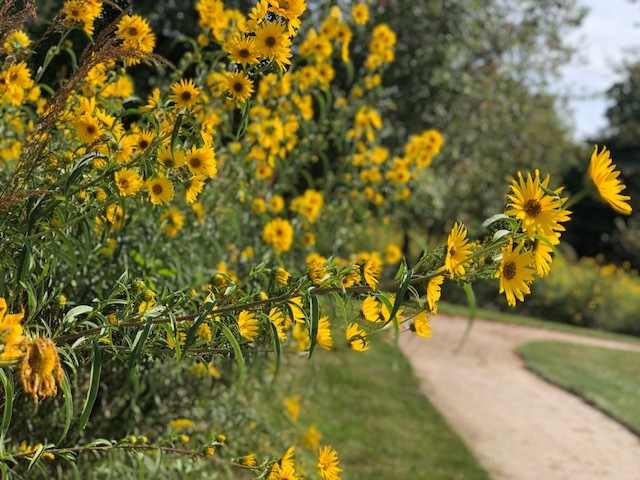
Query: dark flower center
{"x":509,"y":270}
{"x":91,"y":129}
{"x":132,"y":31}
{"x":270,"y":42}
{"x":532,"y":207}
{"x":195,"y":162}
{"x":143,"y":144}
{"x":243,"y":53}
{"x":157,"y":189}
{"x":185,"y":96}
{"x":238,"y":87}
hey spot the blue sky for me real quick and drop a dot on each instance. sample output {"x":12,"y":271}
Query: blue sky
{"x":610,"y":28}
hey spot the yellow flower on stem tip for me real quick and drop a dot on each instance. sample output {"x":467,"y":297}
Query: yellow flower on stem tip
{"x":434,"y":287}
{"x":605,"y":177}
{"x":40,"y":369}
{"x":184,"y":93}
{"x":515,"y":273}
{"x":127,"y":181}
{"x":324,"y":333}
{"x":539,"y":212}
{"x":328,"y":464}
{"x":160,"y":190}
{"x":370,"y":309}
{"x":458,"y":250}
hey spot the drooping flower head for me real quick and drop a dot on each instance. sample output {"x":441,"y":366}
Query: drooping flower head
{"x":357,"y":338}
{"x":605,"y":177}
{"x":40,"y":369}
{"x":421,"y":325}
{"x":248,"y":325}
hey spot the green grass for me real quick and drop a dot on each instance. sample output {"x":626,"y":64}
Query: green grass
{"x":368,"y":406}
{"x":607,"y":378}
{"x":495,"y":316}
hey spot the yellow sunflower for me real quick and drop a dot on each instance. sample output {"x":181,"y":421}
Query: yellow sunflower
{"x":324,"y":333}
{"x":328,"y":464}
{"x":515,"y":273}
{"x":421,"y":325}
{"x":184,"y":93}
{"x":239,"y":87}
{"x":279,"y":234}
{"x":458,"y":250}
{"x":196,"y":184}
{"x":40,"y":369}
{"x":160,"y":190}
{"x":357,"y":338}
{"x":539,"y":212}
{"x":605,"y":177}
{"x":87,"y":128}
{"x":202,"y":161}
{"x":273,"y":43}
{"x":370,"y":309}
{"x":242,"y":50}
{"x":127,"y":181}
{"x":248,"y":325}
{"x":434,"y":287}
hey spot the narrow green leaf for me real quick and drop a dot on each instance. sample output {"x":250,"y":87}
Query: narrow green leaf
{"x":276,"y":345}
{"x":193,"y":330}
{"x":314,"y":319}
{"x":402,"y":291}
{"x":176,"y":132}
{"x":473,"y":307}
{"x":35,"y":458}
{"x":94,"y":383}
{"x":7,"y":384}
{"x":238,"y":353}
{"x":138,"y":343}
{"x":68,"y":406}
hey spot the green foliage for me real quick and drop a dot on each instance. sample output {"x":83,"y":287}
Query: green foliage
{"x":589,"y":293}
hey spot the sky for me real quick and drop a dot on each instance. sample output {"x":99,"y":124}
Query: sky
{"x":610,"y":28}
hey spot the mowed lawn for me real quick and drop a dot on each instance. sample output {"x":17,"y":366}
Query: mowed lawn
{"x":607,"y":378}
{"x":367,"y":405}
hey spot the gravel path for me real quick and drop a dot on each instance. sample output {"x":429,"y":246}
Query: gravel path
{"x":518,"y":426}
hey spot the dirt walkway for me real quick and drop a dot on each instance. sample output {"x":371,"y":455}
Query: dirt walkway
{"x":519,"y":426}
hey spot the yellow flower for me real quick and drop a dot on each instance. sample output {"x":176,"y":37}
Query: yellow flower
{"x":248,"y":460}
{"x":202,"y":161}
{"x":10,"y":332}
{"x":279,"y":321}
{"x":370,"y":309}
{"x":312,"y":437}
{"x":273,"y":43}
{"x":605,"y":177}
{"x":328,"y":464}
{"x":28,"y":450}
{"x":87,"y":128}
{"x":40,"y":369}
{"x":242,"y":50}
{"x":180,"y":424}
{"x":324,"y":333}
{"x":160,"y":190}
{"x":248,"y":325}
{"x":136,"y":34}
{"x":16,"y":40}
{"x":282,"y":276}
{"x":292,"y":406}
{"x":173,"y":221}
{"x":127,"y":181}
{"x":184,"y":93}
{"x":421,"y":325}
{"x":539,"y":212}
{"x":360,"y":13}
{"x":434,"y":291}
{"x":515,"y":273}
{"x":279,"y":234}
{"x":371,"y":270}
{"x":195,"y":186}
{"x":357,"y":338}
{"x":239,"y":86}
{"x":82,"y":11}
{"x":458,"y":250}
{"x":392,"y":254}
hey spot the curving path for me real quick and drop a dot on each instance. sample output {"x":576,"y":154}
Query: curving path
{"x":518,"y":426}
